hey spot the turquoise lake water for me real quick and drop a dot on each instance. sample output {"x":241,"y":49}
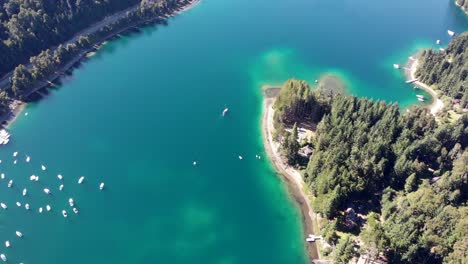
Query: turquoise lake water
{"x":144,"y":108}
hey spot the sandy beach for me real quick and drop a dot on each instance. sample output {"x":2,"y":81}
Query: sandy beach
{"x":291,"y":176}
{"x":410,"y":72}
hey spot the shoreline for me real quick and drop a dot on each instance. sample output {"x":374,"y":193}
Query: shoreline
{"x":17,"y":106}
{"x":292,"y":177}
{"x":410,"y":73}
{"x":462,"y":9}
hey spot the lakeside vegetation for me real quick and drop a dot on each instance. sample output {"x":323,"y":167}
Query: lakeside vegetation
{"x":447,"y":70}
{"x":35,"y":27}
{"x":463,"y":4}
{"x":395,"y":183}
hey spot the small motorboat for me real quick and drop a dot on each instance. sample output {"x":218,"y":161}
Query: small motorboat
{"x":10,"y":183}
{"x":451,"y":33}
{"x":43,"y":167}
{"x":101,"y":186}
{"x":37,"y":178}
{"x":61,"y":187}
{"x":28,"y":159}
{"x":396,"y":66}
{"x":71,"y":202}
{"x":15,"y":161}
{"x":4,"y":206}
{"x":75,"y":210}
{"x":32,"y":177}
{"x":19,"y":234}
{"x":241,"y":158}
{"x":64,"y":213}
{"x":25,"y":191}
{"x":81,"y":179}
{"x":18,"y":204}
{"x":420,"y":96}
{"x":2,"y":176}
{"x":47,"y":191}
{"x":3,"y":257}
{"x":48,"y":208}
{"x":7,"y":244}
{"x":15,"y":153}
{"x":26,"y":206}
{"x":40,"y":210}
{"x":60,"y":177}
{"x":194,"y":163}
{"x":421,"y":99}
{"x":225,"y":111}
{"x":438,"y":42}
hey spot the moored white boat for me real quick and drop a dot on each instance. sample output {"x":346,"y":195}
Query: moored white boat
{"x":40,"y":210}
{"x":15,"y":153}
{"x":451,"y":33}
{"x":28,"y":159}
{"x":7,"y":244}
{"x":10,"y":183}
{"x":48,"y":208}
{"x":26,"y":206}
{"x":75,"y":210}
{"x":421,"y":99}
{"x":64,"y":213}
{"x":101,"y":186}
{"x":19,"y":234}
{"x":4,"y":206}
{"x":241,"y":158}
{"x":61,"y":187}
{"x":60,"y":177}
{"x":2,"y":176}
{"x":43,"y":167}
{"x":47,"y":191}
{"x":396,"y":66}
{"x":71,"y":202}
{"x":18,"y":204}
{"x":3,"y":257}
{"x":25,"y":191}
{"x":81,"y":179}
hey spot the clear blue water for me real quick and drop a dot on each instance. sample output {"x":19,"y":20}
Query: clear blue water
{"x":139,"y":113}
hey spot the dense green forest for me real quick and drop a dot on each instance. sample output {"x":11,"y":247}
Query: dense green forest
{"x":463,"y":4}
{"x":447,"y":70}
{"x":29,"y":26}
{"x":32,"y":30}
{"x":407,"y":170}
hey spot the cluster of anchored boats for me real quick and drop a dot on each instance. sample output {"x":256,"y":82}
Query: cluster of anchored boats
{"x":47,"y":191}
{"x":421,"y":98}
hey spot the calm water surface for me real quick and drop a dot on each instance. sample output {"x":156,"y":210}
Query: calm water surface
{"x":139,"y":113}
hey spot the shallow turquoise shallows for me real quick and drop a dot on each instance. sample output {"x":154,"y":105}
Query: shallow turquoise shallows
{"x":137,"y":115}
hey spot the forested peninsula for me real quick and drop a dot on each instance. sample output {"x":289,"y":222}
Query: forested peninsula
{"x":38,"y":38}
{"x":387,"y":185}
{"x":446,"y":71}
